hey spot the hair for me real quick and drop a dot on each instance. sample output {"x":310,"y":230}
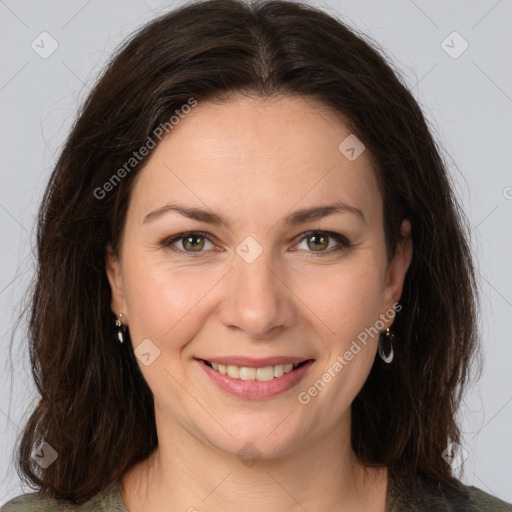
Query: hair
{"x":95,"y":409}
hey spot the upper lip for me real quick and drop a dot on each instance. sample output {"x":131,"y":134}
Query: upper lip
{"x":253,"y":362}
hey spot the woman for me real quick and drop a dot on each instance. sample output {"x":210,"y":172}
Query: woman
{"x":255,"y":289}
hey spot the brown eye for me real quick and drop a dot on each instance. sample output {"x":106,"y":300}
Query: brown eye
{"x":191,"y":243}
{"x":319,"y":242}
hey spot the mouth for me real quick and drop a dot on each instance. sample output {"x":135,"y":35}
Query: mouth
{"x":255,"y":373}
{"x":256,"y":379}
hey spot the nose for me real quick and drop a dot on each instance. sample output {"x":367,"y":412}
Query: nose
{"x":257,"y":300}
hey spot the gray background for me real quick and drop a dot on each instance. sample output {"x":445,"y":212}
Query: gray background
{"x":468,"y":101}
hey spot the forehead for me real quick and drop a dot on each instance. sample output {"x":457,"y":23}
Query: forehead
{"x":246,"y":153}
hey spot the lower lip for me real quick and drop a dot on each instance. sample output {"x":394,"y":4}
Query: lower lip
{"x":255,"y":389}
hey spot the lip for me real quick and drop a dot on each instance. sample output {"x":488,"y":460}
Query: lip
{"x":252,"y":362}
{"x":254,"y":389}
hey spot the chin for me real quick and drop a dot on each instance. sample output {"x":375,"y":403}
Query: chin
{"x":254,"y":442}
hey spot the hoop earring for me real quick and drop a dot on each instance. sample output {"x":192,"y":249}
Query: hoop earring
{"x":389,"y":337}
{"x":121,"y":329}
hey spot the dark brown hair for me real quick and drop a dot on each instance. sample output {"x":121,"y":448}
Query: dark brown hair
{"x":96,"y":409}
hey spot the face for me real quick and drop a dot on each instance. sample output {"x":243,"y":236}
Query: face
{"x":251,"y":285}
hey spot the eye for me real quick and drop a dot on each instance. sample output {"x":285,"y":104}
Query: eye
{"x":193,"y":242}
{"x":318,"y":241}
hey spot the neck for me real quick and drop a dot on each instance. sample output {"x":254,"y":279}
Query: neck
{"x":186,"y":473}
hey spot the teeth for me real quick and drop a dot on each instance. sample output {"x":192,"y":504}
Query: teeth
{"x":261,"y":374}
{"x":245,"y":373}
{"x":278,"y":370}
{"x":233,"y":372}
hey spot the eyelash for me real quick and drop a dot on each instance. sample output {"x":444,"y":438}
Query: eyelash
{"x":344,"y":243}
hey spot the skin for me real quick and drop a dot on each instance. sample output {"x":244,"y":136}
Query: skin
{"x":254,"y":161}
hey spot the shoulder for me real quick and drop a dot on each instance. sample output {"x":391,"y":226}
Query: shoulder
{"x":32,"y":501}
{"x":483,"y":502}
{"x":421,"y":493}
{"x":108,"y":500}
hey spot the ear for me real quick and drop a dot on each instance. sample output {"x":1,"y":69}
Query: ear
{"x":397,"y":268}
{"x":115,"y":278}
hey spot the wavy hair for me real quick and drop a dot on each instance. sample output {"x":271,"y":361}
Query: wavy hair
{"x":95,"y":408}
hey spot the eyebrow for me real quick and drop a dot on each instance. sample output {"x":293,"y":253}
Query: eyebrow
{"x":293,"y":219}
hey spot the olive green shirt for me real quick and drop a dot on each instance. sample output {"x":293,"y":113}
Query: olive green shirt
{"x":425,"y":497}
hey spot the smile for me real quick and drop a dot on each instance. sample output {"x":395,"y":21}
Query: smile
{"x":261,"y":374}
{"x":256,"y":382}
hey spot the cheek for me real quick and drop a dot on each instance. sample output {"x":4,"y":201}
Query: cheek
{"x":163,"y":307}
{"x":158,"y":299}
{"x":349,"y":309}
{"x":168,"y":302}
{"x":347,"y":300}
{"x":348,"y":306}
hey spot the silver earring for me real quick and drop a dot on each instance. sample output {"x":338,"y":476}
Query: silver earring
{"x":120,"y":328}
{"x":388,"y":335}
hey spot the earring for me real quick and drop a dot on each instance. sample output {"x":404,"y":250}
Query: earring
{"x":389,"y":337}
{"x":121,"y":329}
